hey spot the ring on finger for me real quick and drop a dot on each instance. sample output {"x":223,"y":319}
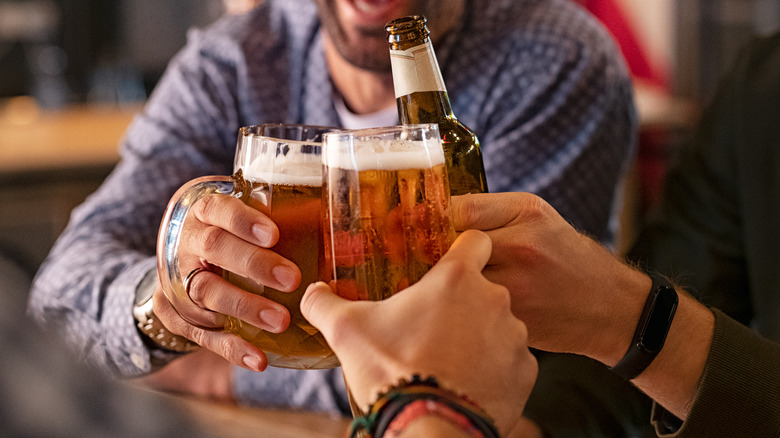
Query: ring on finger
{"x":188,"y":279}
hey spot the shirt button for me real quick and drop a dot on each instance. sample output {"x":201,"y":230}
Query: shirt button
{"x":137,"y":360}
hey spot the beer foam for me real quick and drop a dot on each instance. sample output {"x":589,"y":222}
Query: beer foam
{"x":289,"y":171}
{"x":384,"y":155}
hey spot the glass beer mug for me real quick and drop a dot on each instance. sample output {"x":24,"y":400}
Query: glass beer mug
{"x":387,"y":208}
{"x":278,"y":170}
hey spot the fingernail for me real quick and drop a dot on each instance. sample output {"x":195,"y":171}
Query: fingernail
{"x":315,"y":284}
{"x":284,"y":276}
{"x":262,"y":234}
{"x":252,"y":362}
{"x":273,"y":318}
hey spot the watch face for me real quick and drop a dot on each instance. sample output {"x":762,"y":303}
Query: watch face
{"x":664,"y":306}
{"x":145,"y":289}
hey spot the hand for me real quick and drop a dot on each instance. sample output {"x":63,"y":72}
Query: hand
{"x":221,"y":232}
{"x":453,"y":324}
{"x":202,"y":373}
{"x":565,"y":286}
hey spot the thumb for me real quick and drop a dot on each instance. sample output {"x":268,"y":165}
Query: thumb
{"x":318,"y":302}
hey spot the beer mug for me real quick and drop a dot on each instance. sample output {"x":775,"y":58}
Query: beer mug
{"x":387,"y":208}
{"x":278,"y":170}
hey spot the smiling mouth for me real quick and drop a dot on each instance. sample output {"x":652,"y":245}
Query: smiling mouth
{"x":371,"y":5}
{"x":376,"y":10}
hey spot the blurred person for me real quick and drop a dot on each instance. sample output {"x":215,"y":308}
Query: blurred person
{"x":714,"y":229}
{"x":48,"y":392}
{"x":540,"y":82}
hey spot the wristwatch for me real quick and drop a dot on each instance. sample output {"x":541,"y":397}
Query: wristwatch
{"x":163,"y":344}
{"x":651,"y":331}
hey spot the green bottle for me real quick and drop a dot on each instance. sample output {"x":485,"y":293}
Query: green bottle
{"x":422,"y":98}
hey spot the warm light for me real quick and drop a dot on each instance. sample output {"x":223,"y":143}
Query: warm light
{"x":21,"y":110}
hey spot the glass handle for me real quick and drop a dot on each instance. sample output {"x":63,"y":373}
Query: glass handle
{"x":169,"y":239}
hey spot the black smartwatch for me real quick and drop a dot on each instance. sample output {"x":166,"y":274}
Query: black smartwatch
{"x":651,"y":331}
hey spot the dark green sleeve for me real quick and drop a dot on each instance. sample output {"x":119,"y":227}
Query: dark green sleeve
{"x":575,"y":397}
{"x":715,"y":229}
{"x":739,"y":395}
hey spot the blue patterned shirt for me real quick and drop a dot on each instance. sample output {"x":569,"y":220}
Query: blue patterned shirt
{"x":540,"y":82}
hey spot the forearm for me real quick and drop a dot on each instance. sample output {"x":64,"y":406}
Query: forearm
{"x":672,"y":379}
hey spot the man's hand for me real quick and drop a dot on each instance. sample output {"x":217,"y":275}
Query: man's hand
{"x":453,"y":324}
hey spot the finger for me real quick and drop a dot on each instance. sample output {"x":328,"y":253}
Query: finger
{"x":227,"y":345}
{"x":214,"y":293}
{"x":488,"y":211}
{"x":319,"y":305}
{"x":472,"y":248}
{"x":222,"y":248}
{"x":239,"y":219}
{"x":233,"y":348}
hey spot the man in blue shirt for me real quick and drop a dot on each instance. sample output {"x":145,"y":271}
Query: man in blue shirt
{"x":540,"y":82}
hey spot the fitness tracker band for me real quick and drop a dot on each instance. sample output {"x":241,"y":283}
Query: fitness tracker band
{"x":651,"y":331}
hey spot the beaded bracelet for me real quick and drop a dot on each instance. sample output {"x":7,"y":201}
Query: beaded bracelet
{"x":409,"y":399}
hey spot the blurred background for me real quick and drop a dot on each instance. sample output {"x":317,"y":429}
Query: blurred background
{"x":74,"y":72}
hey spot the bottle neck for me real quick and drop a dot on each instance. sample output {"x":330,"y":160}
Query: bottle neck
{"x":419,"y":87}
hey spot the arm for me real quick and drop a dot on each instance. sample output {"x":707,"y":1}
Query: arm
{"x":85,"y":289}
{"x":592,"y":292}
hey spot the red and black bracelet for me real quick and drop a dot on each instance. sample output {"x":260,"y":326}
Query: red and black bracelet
{"x":410,"y":399}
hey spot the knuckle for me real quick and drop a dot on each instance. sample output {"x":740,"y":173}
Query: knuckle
{"x":465,"y":212}
{"x":212,"y":239}
{"x":256,"y":261}
{"x":206,"y":206}
{"x":237,"y":303}
{"x":227,"y":348}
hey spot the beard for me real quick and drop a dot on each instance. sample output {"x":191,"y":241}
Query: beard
{"x":362,"y":46}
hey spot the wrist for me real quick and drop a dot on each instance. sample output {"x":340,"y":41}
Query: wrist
{"x":673,"y":378}
{"x":163,"y":345}
{"x":651,"y":329}
{"x":431,"y":426}
{"x":614,"y":329}
{"x":395,"y":410}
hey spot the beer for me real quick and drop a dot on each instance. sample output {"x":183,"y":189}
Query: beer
{"x":293,"y":201}
{"x":422,"y":97}
{"x":387,"y":217}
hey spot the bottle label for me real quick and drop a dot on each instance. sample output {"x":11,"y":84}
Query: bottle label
{"x":416,"y":70}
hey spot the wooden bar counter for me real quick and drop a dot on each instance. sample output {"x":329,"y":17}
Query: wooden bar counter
{"x":50,"y":160}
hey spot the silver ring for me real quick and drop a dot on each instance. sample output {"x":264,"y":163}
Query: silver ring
{"x":189,"y":277}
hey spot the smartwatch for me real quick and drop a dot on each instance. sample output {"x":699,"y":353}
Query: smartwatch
{"x":651,"y":331}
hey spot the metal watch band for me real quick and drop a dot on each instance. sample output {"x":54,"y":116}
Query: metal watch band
{"x":651,"y":330}
{"x":148,"y":324}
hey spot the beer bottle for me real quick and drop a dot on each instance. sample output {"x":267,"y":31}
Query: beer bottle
{"x":422,"y":98}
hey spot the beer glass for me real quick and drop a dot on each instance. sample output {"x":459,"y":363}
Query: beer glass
{"x":387,"y":216}
{"x":278,"y":170}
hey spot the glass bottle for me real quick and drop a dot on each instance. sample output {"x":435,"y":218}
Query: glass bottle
{"x":422,"y":98}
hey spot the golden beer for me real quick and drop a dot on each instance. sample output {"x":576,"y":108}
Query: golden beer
{"x":291,"y":195}
{"x":387,"y":217}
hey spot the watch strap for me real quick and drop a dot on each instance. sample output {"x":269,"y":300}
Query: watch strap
{"x":151,"y":326}
{"x":651,"y":330}
{"x":163,"y":345}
